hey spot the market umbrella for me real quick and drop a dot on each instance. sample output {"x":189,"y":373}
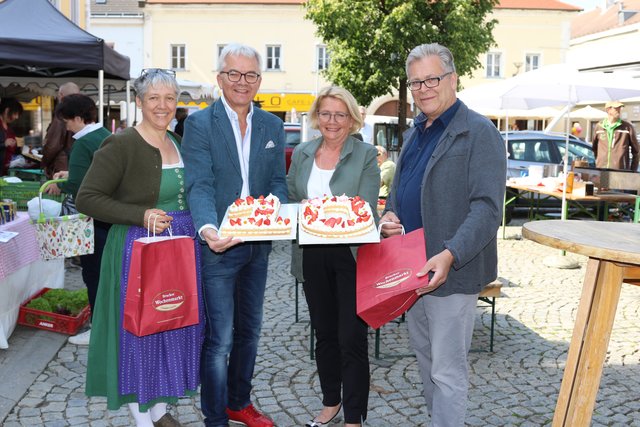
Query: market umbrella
{"x":561,"y":84}
{"x":588,"y":113}
{"x":553,"y":85}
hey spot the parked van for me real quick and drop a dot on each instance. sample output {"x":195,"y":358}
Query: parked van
{"x":385,"y":133}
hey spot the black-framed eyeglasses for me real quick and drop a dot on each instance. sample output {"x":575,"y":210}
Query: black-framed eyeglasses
{"x":325,"y":116}
{"x":149,"y":71}
{"x":235,"y":76}
{"x":431,"y":82}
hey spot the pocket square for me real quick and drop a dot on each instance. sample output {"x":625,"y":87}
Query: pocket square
{"x":270,"y":144}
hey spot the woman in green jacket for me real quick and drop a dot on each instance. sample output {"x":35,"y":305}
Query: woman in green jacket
{"x":335,"y":164}
{"x":136,"y":183}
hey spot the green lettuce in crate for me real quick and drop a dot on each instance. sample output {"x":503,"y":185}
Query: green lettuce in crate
{"x":66,"y":302}
{"x":40,"y":304}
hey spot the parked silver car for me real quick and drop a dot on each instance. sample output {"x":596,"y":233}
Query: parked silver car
{"x":528,"y":148}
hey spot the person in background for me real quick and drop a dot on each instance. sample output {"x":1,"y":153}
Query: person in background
{"x":58,"y":141}
{"x":450,"y":181}
{"x":387,"y":170}
{"x":335,"y":164}
{"x":366,"y":130}
{"x":136,"y":183}
{"x":79,"y":114}
{"x":181,"y":116}
{"x":615,"y":143}
{"x":121,"y":126}
{"x":232,"y":150}
{"x":10,"y":111}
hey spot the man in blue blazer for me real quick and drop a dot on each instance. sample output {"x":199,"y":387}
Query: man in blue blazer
{"x":450,"y":179}
{"x":232,"y":150}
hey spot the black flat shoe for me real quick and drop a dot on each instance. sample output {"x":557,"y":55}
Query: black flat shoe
{"x":314,"y":423}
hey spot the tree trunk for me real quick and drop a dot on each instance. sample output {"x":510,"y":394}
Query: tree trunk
{"x":402,"y":110}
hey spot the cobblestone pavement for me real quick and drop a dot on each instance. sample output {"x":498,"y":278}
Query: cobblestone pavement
{"x":517,"y":385}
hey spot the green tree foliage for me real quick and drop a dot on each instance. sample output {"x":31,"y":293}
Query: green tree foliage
{"x":369,"y":40}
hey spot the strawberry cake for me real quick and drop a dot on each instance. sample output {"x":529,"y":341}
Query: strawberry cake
{"x":255,"y":217}
{"x":336,"y":216}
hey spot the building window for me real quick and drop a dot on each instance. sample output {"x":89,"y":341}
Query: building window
{"x":75,"y":13}
{"x":493,"y":64}
{"x":532,"y":62}
{"x":219,"y":49}
{"x":178,"y":52}
{"x":274,"y":57}
{"x":322,"y":58}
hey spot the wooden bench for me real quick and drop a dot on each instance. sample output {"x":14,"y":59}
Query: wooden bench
{"x":487,"y":296}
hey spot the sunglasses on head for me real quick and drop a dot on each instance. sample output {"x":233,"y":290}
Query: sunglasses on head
{"x":149,"y":71}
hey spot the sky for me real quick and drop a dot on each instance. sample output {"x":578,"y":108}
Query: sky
{"x":586,"y":4}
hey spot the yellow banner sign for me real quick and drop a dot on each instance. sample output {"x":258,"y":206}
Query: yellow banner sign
{"x":285,"y":101}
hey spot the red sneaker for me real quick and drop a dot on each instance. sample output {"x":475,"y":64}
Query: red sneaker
{"x":249,"y":417}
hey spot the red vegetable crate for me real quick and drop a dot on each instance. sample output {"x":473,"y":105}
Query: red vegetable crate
{"x":52,"y":321}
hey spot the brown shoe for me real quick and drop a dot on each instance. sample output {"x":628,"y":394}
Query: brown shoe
{"x":167,"y":421}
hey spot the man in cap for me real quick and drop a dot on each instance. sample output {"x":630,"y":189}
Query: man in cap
{"x":615,"y":144}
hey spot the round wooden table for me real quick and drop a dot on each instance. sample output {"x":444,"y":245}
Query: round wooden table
{"x":613,"y":249}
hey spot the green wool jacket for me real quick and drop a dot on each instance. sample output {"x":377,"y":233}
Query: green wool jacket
{"x":123,"y":180}
{"x":81,"y":157}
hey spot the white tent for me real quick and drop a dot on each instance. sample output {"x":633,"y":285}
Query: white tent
{"x":554,"y":85}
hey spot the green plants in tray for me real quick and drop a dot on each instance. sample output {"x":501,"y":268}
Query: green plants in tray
{"x":59,"y":310}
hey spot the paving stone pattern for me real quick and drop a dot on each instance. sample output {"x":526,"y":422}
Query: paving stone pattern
{"x":517,"y":385}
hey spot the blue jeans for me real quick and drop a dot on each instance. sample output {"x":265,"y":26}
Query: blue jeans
{"x":234,"y":284}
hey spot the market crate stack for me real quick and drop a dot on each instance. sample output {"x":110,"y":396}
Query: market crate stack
{"x":22,"y":192}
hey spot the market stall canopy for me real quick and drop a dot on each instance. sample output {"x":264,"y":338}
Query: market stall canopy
{"x":36,"y":40}
{"x":40,"y":50}
{"x":535,"y":113}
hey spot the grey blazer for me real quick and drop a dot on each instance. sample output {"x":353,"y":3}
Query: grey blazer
{"x":462,"y":196}
{"x":356,"y":174}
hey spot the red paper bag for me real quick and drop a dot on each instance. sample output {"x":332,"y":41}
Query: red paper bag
{"x":162,"y":289}
{"x":386,"y":277}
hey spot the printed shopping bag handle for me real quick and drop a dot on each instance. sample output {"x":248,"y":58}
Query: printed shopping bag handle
{"x":388,"y":222}
{"x":155,"y":218}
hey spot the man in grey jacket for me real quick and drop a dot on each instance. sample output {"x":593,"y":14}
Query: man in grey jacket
{"x":450,"y":180}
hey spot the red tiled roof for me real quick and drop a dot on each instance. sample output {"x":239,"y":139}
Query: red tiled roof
{"x":598,"y":20}
{"x":537,"y":4}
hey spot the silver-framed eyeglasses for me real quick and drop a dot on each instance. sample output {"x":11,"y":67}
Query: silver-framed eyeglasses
{"x":326,"y":116}
{"x":431,"y":82}
{"x":235,"y":76}
{"x":149,"y":71}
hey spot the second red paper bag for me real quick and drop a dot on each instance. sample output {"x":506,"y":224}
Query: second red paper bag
{"x":386,"y":277}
